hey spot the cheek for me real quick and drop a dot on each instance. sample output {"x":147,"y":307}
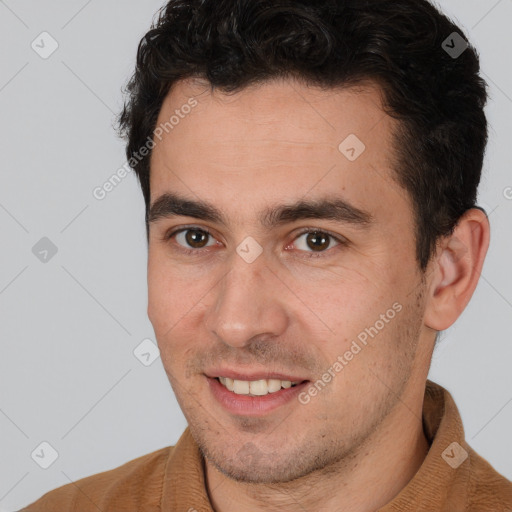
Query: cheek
{"x":344,"y":299}
{"x":359,"y":311}
{"x":167,"y":312}
{"x":175,"y":298}
{"x":165,"y":294}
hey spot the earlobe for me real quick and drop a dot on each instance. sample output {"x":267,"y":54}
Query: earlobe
{"x":456,"y":269}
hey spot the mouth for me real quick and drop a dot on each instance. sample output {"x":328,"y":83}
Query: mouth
{"x":254,"y":395}
{"x":260,"y":387}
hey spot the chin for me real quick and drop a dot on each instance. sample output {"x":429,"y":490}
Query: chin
{"x":257,"y":473}
{"x":251,"y":464}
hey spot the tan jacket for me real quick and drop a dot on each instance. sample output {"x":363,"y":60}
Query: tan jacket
{"x":172,"y":478}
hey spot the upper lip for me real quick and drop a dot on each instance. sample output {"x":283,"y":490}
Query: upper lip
{"x":254,"y":375}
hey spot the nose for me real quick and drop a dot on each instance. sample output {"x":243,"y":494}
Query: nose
{"x":247,"y":304}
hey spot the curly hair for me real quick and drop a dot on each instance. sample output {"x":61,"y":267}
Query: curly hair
{"x":438,"y":99}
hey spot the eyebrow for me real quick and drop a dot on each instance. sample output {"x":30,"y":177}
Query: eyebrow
{"x":329,"y":208}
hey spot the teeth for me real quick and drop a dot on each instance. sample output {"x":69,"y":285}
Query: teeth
{"x":258,"y":387}
{"x":255,"y":387}
{"x":230,"y":384}
{"x":241,"y":387}
{"x":274,"y":385}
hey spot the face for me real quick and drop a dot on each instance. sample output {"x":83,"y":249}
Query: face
{"x":286,"y":253}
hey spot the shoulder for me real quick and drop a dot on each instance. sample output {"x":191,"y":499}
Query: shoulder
{"x":137,"y":482}
{"x":489,"y":490}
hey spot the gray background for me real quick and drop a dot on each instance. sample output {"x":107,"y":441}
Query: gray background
{"x":69,"y":326}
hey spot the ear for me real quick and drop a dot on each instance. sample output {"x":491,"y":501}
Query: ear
{"x":455,"y":269}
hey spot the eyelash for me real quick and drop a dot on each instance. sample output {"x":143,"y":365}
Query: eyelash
{"x":197,"y":252}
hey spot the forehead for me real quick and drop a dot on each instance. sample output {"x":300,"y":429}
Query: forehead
{"x":267,"y":111}
{"x":277,"y":141}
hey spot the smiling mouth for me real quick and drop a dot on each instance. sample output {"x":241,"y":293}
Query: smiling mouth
{"x":260,"y":387}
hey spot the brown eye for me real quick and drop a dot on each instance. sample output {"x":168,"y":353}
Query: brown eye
{"x":318,"y":241}
{"x":193,"y":238}
{"x":313,"y":241}
{"x":196,"y":238}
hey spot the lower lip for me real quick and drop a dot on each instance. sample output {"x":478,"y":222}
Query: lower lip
{"x":252,"y":405}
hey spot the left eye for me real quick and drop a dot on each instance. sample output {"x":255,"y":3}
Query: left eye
{"x":315,"y":241}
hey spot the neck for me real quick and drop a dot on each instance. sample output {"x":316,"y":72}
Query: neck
{"x":370,"y":478}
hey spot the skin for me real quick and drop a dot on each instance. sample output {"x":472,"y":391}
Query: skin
{"x":272,"y":144}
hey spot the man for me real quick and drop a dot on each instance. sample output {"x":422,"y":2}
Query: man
{"x":310,"y":172}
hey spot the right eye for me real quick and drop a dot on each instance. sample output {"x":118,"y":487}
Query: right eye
{"x":191,"y":239}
